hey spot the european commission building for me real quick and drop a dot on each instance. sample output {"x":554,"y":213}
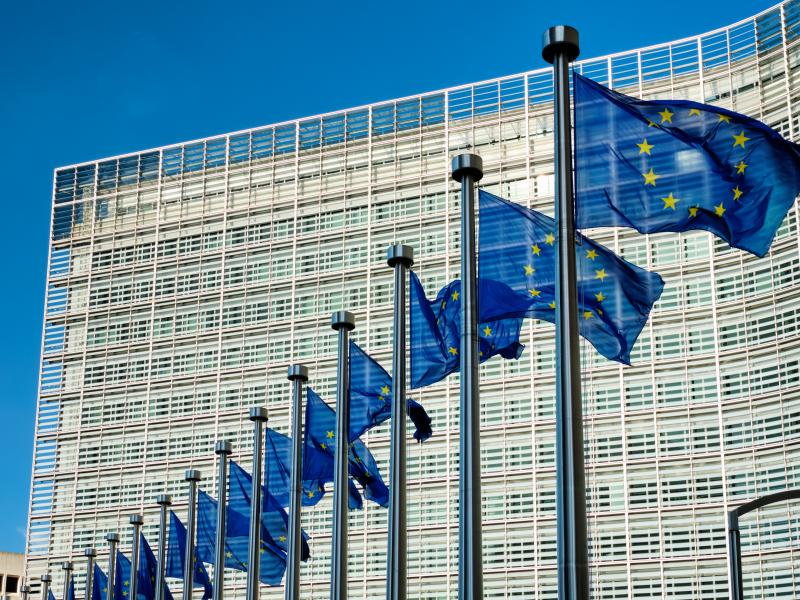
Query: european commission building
{"x":182,"y":281}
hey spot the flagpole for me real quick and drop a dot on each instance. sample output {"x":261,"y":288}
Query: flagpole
{"x":468,"y":170}
{"x":297,"y":374}
{"x":343,"y":322}
{"x":67,"y":568}
{"x":560,"y":47}
{"x":191,"y":476}
{"x":164,"y":501}
{"x":24,"y":592}
{"x":400,"y":258}
{"x":89,"y":553}
{"x":136,"y":522}
{"x":112,"y":539}
{"x":223,"y":450}
{"x":258,"y":415}
{"x":45,"y":579}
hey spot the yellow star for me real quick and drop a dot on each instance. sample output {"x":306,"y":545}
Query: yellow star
{"x":261,"y":551}
{"x":330,"y":435}
{"x":281,"y":538}
{"x":126,"y":583}
{"x":720,"y":210}
{"x":737,"y":193}
{"x":444,"y":303}
{"x":455,"y":297}
{"x":600,"y":274}
{"x":452,"y":350}
{"x":651,"y":123}
{"x":666,"y":116}
{"x":228,"y":554}
{"x":644,"y":147}
{"x":385,"y":390}
{"x":534,"y":292}
{"x":693,"y":210}
{"x":381,"y":398}
{"x":587,"y":314}
{"x":591,"y":254}
{"x":124,"y":593}
{"x":536,"y":250}
{"x":669,"y":201}
{"x":600,"y":296}
{"x":725,"y":118}
{"x":549,"y":239}
{"x":740,"y":139}
{"x":310,"y":493}
{"x":650,"y":178}
{"x":552,"y":305}
{"x":323,"y":445}
{"x":740,"y":167}
{"x":529,"y":270}
{"x":694,"y":111}
{"x":487,"y":331}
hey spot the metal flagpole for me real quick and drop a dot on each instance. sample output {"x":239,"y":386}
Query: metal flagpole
{"x":735,"y":577}
{"x":45,"y":579}
{"x":67,"y":568}
{"x":112,"y":539}
{"x":468,"y":169}
{"x":90,"y":553}
{"x":192,"y":476}
{"x":223,"y":450}
{"x":560,"y":47}
{"x":164,"y":501}
{"x":297,"y":374}
{"x":136,"y":522}
{"x":400,"y":258}
{"x":24,"y":592}
{"x":258,"y":415}
{"x":343,"y":322}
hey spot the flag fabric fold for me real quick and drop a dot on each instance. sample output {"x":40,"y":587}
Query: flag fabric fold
{"x":436,"y":334}
{"x":148,"y":571}
{"x":677,"y":165}
{"x":99,"y":584}
{"x":122,"y":577}
{"x":517,"y":267}
{"x":278,"y":460}
{"x":176,"y":551}
{"x":371,"y":397}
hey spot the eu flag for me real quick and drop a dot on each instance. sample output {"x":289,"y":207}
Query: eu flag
{"x":99,"y":584}
{"x":371,"y":397}
{"x":278,"y":460}
{"x":122,"y":576}
{"x":676,"y":165}
{"x":176,"y":552}
{"x":320,"y":434}
{"x":436,"y":334}
{"x":148,"y":571}
{"x":272,"y":561}
{"x":517,"y":268}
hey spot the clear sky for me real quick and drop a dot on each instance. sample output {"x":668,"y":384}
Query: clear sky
{"x":80,"y":81}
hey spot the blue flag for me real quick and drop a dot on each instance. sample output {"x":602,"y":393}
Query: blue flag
{"x":176,"y":551}
{"x":70,"y":595}
{"x":320,"y":434}
{"x":517,"y":262}
{"x":676,"y":165}
{"x":436,"y":334}
{"x":99,"y":584}
{"x":274,"y":519}
{"x":272,"y":560}
{"x":50,"y":595}
{"x":148,"y":571}
{"x":122,"y":577}
{"x":371,"y":397}
{"x":278,"y":459}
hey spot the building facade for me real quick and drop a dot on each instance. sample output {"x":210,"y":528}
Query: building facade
{"x":11,"y":567}
{"x":182,"y":281}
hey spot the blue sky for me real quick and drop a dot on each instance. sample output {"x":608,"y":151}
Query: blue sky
{"x":88,"y":80}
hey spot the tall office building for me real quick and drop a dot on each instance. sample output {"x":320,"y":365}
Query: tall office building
{"x":183,"y":280}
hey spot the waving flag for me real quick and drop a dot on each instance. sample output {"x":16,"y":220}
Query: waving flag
{"x":278,"y":460}
{"x":99,"y":584}
{"x":176,"y":552}
{"x":122,"y":577}
{"x":148,"y":571}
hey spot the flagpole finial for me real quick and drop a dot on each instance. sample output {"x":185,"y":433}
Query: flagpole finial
{"x":89,"y":552}
{"x":136,"y":520}
{"x":258,"y":413}
{"x":298,"y":371}
{"x":343,"y":319}
{"x":164,"y":499}
{"x":558,"y":39}
{"x":467,"y":164}
{"x":66,"y":566}
{"x":46,"y":577}
{"x":223,"y":447}
{"x":400,"y":254}
{"x":112,"y":537}
{"x":192,"y":475}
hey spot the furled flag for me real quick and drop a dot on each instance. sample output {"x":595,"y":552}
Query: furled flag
{"x":676,"y":165}
{"x":436,"y":334}
{"x":517,"y":264}
{"x":176,"y":551}
{"x":148,"y":571}
{"x":274,"y":519}
{"x":371,"y":397}
{"x":278,"y":460}
{"x":71,"y":589}
{"x":320,"y":434}
{"x":99,"y":584}
{"x":272,"y":560}
{"x":122,"y":577}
